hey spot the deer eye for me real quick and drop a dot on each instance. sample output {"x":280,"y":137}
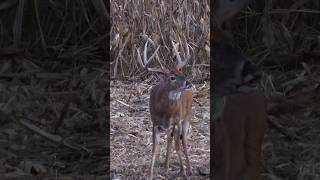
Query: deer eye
{"x":172,"y":78}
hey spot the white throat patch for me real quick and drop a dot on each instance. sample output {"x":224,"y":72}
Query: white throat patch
{"x":174,"y":95}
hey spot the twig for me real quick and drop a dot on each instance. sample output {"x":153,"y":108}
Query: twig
{"x":53,"y":138}
{"x":119,"y":54}
{"x":197,"y":102}
{"x":125,"y":104}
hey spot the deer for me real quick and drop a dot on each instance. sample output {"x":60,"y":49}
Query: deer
{"x":239,"y":109}
{"x":170,"y":107}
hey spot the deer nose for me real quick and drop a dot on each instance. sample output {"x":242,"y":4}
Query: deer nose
{"x":249,"y":68}
{"x":161,"y":128}
{"x":187,"y":85}
{"x":251,"y":71}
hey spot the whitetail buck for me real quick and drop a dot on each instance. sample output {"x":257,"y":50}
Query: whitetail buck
{"x":239,"y":110}
{"x":170,"y":109}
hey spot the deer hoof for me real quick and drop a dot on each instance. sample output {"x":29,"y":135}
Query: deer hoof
{"x":189,"y":172}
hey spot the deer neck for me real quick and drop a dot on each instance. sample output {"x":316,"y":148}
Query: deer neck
{"x":169,"y":101}
{"x":218,"y":107}
{"x":172,"y":96}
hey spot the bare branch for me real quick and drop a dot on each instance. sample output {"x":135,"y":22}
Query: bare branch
{"x":139,"y":58}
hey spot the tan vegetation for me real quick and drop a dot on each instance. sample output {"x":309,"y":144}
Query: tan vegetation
{"x":134,"y":21}
{"x":282,"y":37}
{"x":53,"y":78}
{"x":131,"y":131}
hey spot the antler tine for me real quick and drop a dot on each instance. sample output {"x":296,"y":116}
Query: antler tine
{"x":224,"y":9}
{"x":181,"y":63}
{"x":147,"y":61}
{"x":145,"y":54}
{"x":163,"y":69}
{"x":139,"y":57}
{"x":187,"y":56}
{"x":176,"y":52}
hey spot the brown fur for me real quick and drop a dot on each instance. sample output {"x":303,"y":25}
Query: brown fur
{"x":238,"y":137}
{"x":171,"y":115}
{"x":239,"y":130}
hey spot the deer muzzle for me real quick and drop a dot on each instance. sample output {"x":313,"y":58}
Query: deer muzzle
{"x":250,"y":78}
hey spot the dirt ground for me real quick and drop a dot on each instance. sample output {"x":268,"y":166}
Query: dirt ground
{"x":131,"y":131}
{"x":290,"y":150}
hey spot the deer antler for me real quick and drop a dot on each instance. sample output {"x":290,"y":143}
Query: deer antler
{"x":147,"y":61}
{"x":181,"y":63}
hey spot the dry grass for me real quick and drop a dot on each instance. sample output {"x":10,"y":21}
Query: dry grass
{"x":282,"y":37}
{"x":279,"y":33}
{"x":134,"y":21}
{"x":53,"y":77}
{"x":53,"y":59}
{"x":297,"y":158}
{"x":131,"y":130}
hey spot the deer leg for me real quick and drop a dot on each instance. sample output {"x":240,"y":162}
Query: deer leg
{"x":253,"y":160}
{"x":185,"y":129}
{"x":221,"y":152}
{"x":155,"y":149}
{"x":253,"y":149}
{"x":169,"y":148}
{"x":178,"y":150}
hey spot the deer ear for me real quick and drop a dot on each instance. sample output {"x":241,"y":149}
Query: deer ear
{"x":177,"y":69}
